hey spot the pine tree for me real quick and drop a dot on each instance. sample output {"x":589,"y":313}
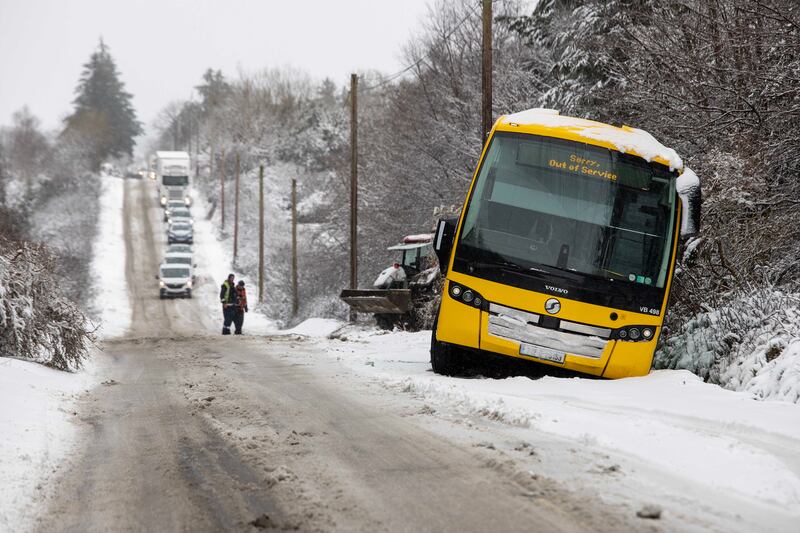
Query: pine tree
{"x":103,"y":116}
{"x":214,"y":90}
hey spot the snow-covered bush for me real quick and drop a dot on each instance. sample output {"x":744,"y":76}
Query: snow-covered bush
{"x":36,"y":321}
{"x":751,"y":342}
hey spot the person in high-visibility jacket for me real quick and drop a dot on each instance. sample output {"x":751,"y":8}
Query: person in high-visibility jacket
{"x":241,"y":307}
{"x":227,"y":296}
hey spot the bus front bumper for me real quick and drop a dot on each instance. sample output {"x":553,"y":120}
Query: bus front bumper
{"x":510,"y":335}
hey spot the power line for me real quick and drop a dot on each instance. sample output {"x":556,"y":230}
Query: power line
{"x":416,"y":63}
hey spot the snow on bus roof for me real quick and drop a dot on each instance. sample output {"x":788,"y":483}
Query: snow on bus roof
{"x":624,"y":139}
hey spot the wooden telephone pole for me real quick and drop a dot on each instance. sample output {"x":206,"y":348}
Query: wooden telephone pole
{"x":353,"y":186}
{"x":261,"y":234}
{"x":236,"y":212}
{"x":222,"y":189}
{"x":295,"y":302}
{"x":486,"y":73}
{"x":211,"y":156}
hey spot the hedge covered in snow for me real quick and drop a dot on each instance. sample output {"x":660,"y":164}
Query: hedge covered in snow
{"x":751,"y":343}
{"x":36,"y":321}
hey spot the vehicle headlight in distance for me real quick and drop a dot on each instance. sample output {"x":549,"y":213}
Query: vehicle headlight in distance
{"x":647,"y":333}
{"x":161,"y":284}
{"x":455,"y":290}
{"x":163,"y":200}
{"x":189,"y":284}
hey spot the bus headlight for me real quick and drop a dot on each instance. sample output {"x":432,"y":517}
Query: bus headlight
{"x":466,"y":296}
{"x":647,"y":333}
{"x":633,"y":333}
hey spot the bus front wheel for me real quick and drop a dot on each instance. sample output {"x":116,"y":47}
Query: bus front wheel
{"x":444,"y":360}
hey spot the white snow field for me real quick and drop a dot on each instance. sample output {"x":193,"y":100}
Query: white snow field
{"x":35,"y":435}
{"x":701,"y":452}
{"x":111,"y":302}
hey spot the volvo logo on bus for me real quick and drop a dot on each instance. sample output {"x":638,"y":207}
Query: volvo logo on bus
{"x":552,"y":306}
{"x":559,"y":290}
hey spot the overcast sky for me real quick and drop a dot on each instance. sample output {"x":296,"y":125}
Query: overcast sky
{"x":162,"y":47}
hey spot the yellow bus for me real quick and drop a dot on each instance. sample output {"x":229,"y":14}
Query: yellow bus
{"x":564,"y":251}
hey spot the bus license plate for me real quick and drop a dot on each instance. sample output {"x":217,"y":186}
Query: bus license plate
{"x":541,"y":353}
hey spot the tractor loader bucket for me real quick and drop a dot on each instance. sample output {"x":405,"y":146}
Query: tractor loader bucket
{"x":385,"y":301}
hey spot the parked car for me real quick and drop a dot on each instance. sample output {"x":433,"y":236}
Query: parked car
{"x":180,"y":215}
{"x":175,"y":280}
{"x":172,"y":204}
{"x":180,"y":232}
{"x":180,"y":258}
{"x":179,"y":248}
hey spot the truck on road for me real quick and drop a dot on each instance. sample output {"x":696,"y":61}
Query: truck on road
{"x":172,"y":173}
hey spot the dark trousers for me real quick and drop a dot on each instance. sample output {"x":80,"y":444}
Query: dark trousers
{"x":238,"y":319}
{"x":227,"y":314}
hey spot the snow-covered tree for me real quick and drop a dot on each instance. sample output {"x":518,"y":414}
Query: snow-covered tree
{"x":36,"y":321}
{"x":103,"y":111}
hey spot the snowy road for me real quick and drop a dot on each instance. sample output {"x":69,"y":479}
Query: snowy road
{"x":194,"y":431}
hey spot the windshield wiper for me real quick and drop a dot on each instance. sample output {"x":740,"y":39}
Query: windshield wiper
{"x":510,"y":266}
{"x":532,"y":270}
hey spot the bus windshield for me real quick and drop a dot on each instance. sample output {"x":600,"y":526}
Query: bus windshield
{"x":543,"y":204}
{"x":175,"y":181}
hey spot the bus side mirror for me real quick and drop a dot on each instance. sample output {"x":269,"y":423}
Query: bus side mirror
{"x":688,"y":188}
{"x":443,"y":241}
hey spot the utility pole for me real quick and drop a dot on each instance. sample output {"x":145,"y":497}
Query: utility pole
{"x":211,"y":156}
{"x":261,"y":233}
{"x":196,"y":150}
{"x":295,"y":303}
{"x":222,"y":189}
{"x":236,"y":212}
{"x":353,"y":186}
{"x":486,"y":72}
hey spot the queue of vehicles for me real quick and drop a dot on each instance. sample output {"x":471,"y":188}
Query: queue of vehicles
{"x":176,"y":273}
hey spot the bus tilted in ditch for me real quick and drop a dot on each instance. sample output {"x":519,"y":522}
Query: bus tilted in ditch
{"x":565,"y":249}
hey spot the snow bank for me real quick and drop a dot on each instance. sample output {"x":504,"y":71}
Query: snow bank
{"x":751,"y":343}
{"x":314,"y":327}
{"x":625,"y":139}
{"x":111,"y":302}
{"x":35,"y":434}
{"x":213,"y":267}
{"x":671,"y":419}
